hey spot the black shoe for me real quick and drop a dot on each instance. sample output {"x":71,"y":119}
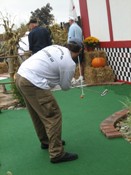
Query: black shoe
{"x":65,"y":158}
{"x":46,"y":146}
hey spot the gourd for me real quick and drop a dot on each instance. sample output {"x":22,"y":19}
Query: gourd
{"x":98,"y":62}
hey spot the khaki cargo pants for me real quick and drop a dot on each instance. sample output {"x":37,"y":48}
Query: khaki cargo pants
{"x":45,"y":114}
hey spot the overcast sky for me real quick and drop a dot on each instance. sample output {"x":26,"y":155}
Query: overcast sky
{"x":19,"y":10}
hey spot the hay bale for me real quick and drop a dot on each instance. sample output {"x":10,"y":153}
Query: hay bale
{"x":90,"y":75}
{"x":3,"y":68}
{"x":98,"y":75}
{"x":88,"y":56}
{"x":109,"y":75}
{"x":87,"y":59}
{"x":77,"y":72}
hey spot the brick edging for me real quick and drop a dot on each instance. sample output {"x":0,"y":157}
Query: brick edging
{"x":107,"y":126}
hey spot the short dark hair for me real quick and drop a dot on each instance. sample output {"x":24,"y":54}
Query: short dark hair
{"x":32,"y":21}
{"x":74,"y":47}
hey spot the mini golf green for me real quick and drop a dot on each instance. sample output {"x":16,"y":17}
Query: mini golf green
{"x":20,"y":150}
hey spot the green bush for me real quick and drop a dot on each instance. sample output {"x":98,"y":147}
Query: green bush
{"x":17,"y":95}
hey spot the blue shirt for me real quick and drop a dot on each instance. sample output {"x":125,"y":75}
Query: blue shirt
{"x":75,"y":32}
{"x":39,"y":38}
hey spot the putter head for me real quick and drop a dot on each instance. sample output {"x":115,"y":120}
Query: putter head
{"x":104,"y":92}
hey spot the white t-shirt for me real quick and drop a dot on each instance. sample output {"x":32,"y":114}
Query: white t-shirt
{"x":49,"y":67}
{"x":23,"y":45}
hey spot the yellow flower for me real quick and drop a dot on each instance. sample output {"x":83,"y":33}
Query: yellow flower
{"x":91,"y":41}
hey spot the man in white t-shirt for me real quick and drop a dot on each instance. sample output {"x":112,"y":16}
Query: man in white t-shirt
{"x":51,"y":66}
{"x":23,"y":47}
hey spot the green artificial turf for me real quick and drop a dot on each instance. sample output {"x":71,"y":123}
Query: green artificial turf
{"x":20,"y":150}
{"x":7,"y":86}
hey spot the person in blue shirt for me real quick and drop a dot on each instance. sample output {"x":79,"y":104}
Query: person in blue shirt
{"x":39,"y":37}
{"x":75,"y":31}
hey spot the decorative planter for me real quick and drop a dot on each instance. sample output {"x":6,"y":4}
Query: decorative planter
{"x":91,"y":47}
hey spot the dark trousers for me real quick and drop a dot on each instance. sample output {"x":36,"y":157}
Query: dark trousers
{"x":45,"y":114}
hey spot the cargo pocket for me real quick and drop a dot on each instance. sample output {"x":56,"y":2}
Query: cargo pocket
{"x":49,"y":106}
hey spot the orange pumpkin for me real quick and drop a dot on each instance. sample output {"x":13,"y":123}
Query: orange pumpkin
{"x":98,"y":62}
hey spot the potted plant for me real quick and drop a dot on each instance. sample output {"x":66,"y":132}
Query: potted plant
{"x":90,"y":43}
